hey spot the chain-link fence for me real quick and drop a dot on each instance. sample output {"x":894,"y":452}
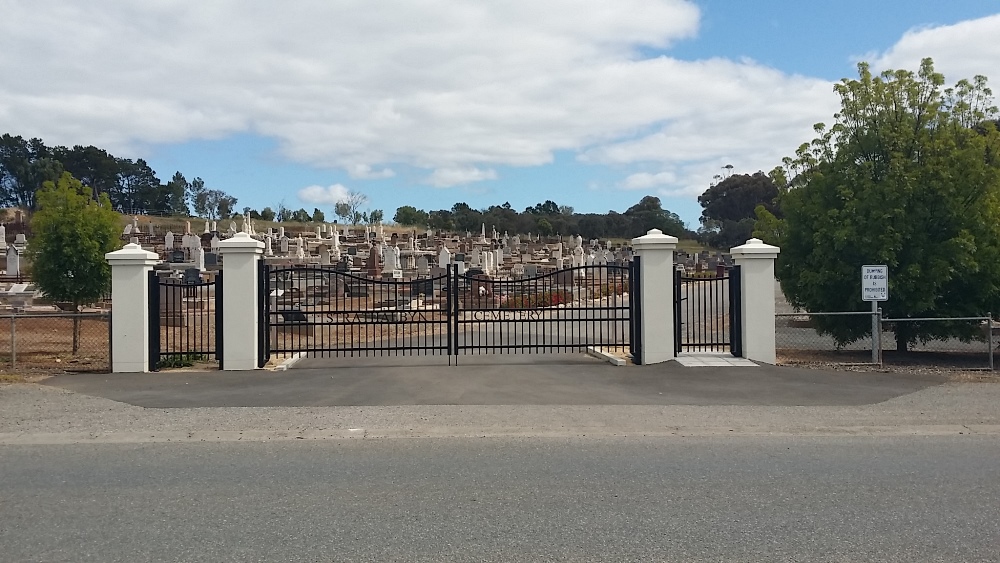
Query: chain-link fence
{"x":66,"y":341}
{"x":958,"y":342}
{"x":952,"y":343}
{"x":799,"y":340}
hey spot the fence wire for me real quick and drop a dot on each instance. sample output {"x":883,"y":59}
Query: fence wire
{"x":955,"y":343}
{"x":46,"y":341}
{"x":798,"y":340}
{"x":963,"y":342}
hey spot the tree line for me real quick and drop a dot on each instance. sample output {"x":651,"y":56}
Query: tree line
{"x":549,"y":218}
{"x":131,"y":186}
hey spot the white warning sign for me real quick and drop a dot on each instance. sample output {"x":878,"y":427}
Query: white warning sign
{"x":875,"y":283}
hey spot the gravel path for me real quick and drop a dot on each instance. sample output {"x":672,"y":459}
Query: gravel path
{"x":32,"y":413}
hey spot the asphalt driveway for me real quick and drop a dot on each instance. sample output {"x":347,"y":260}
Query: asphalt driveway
{"x":496,"y":380}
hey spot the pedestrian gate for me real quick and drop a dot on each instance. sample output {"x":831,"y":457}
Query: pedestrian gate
{"x":707,"y":313}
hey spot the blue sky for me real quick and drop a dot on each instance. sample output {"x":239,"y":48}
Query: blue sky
{"x":589,"y":103}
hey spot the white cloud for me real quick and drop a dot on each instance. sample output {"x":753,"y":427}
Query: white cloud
{"x":962,"y":50}
{"x":450,"y":87}
{"x":319,"y":195}
{"x":447,"y":177}
{"x":645,"y":180}
{"x":365,"y":172}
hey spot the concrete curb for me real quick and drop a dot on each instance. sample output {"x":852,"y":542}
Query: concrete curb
{"x":602,"y":355}
{"x":251,"y":435}
{"x":283,"y":366}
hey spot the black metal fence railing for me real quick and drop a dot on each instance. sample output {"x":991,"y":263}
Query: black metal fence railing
{"x":570,"y":310}
{"x":703,"y":315}
{"x":326,"y":312}
{"x":183,"y":321}
{"x":66,"y":341}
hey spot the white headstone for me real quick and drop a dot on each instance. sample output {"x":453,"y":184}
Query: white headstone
{"x":268,"y":250}
{"x":13,"y":261}
{"x":168,"y":241}
{"x":444,"y":257}
{"x":3,"y":237}
{"x":208,"y":227}
{"x":283,"y":244}
{"x":215,"y":243}
{"x":128,"y":229}
{"x":199,"y":258}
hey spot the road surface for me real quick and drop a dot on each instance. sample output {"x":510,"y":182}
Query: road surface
{"x":744,"y":498}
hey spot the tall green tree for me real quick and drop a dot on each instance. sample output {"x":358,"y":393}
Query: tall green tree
{"x":410,"y":216}
{"x":72,"y":233}
{"x":728,"y":208}
{"x":908,"y":176}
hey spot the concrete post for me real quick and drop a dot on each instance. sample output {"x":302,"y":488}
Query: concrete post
{"x":656,"y":281}
{"x":130,"y":268}
{"x":756,"y":261}
{"x":240,"y":255}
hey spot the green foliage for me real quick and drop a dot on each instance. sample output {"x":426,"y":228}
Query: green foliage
{"x":267,"y":214}
{"x":410,"y":216}
{"x":318,"y":216}
{"x":908,"y":176}
{"x":179,"y":360}
{"x":729,"y":207}
{"x":72,"y":233}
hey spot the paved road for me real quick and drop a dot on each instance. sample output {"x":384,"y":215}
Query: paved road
{"x":496,"y":380}
{"x":669,"y":499}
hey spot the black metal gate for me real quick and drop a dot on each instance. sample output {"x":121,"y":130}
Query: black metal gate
{"x":569,"y":310}
{"x":707,"y":313}
{"x":326,"y":312}
{"x":185,"y":320}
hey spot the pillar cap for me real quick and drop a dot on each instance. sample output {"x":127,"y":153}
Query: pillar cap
{"x":241,"y":242}
{"x":654,"y":240}
{"x":132,"y":255}
{"x":755,"y":248}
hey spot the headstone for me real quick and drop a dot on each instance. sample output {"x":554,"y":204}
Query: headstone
{"x":423,"y":268}
{"x":283,"y":243}
{"x":211,"y":259}
{"x":177,"y":257}
{"x":192,"y":275}
{"x":199,"y":258}
{"x":13,"y":261}
{"x":444,"y":257}
{"x":168,"y":241}
{"x":324,"y":256}
{"x":128,"y":229}
{"x":3,"y":237}
{"x":352,"y":251}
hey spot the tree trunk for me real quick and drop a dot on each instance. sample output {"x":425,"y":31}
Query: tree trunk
{"x":902,"y":337}
{"x":76,"y":330}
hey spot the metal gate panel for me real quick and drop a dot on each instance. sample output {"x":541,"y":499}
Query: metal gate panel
{"x":327,"y":312}
{"x":185,"y":320}
{"x":568,"y":310}
{"x":703,"y":313}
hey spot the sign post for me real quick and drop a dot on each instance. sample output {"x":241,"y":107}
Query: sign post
{"x":875,"y":288}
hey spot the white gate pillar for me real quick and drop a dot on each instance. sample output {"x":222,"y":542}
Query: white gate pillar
{"x":240,"y":304}
{"x":130,"y":269}
{"x":656,"y":282}
{"x":756,"y":262}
